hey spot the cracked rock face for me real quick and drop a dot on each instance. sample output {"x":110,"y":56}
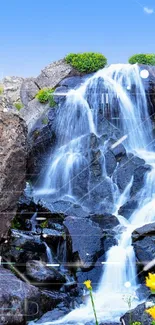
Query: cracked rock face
{"x":13,"y":152}
{"x":10,"y":93}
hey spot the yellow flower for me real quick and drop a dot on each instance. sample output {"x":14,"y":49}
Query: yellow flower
{"x":151,"y":311}
{"x":150,"y":281}
{"x":88,"y":284}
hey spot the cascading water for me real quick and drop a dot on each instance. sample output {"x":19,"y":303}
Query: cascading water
{"x":127,"y":107}
{"x":49,"y":254}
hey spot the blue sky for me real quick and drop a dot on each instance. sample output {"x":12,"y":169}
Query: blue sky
{"x":34,"y":33}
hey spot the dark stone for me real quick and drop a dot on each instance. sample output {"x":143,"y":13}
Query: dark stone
{"x":137,"y":315}
{"x":21,"y":302}
{"x":38,"y":272}
{"x":72,"y":82}
{"x":55,"y":314}
{"x":65,"y":208}
{"x":119,"y":151}
{"x":110,"y":162}
{"x":84,"y":241}
{"x":139,"y":177}
{"x":145,"y":249}
{"x":105,"y":221}
{"x":128,"y":208}
{"x":125,"y":170}
{"x":94,"y":274}
{"x":60,"y":98}
{"x":140,"y":233}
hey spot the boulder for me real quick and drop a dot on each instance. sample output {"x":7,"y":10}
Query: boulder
{"x":53,"y":315}
{"x":20,"y":301}
{"x":84,"y":241}
{"x":110,"y":162}
{"x":128,"y":208}
{"x":32,"y":112}
{"x":125,"y":171}
{"x":138,"y":179}
{"x":38,"y":272}
{"x":24,"y":246}
{"x":137,"y":315}
{"x":144,"y":231}
{"x":144,"y":243}
{"x":28,"y":90}
{"x":106,"y":221}
{"x":13,"y":154}
{"x":52,"y":75}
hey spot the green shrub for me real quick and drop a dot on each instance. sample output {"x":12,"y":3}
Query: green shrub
{"x":18,"y":105}
{"x":1,"y":90}
{"x":86,"y":62}
{"x":46,"y":95}
{"x":148,"y":59}
{"x":44,"y":224}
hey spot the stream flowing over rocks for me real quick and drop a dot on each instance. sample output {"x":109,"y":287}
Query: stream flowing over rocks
{"x":87,"y":209}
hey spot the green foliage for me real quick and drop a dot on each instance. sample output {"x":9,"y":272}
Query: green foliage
{"x":136,"y":323}
{"x":45,"y":120}
{"x":86,"y":62}
{"x":1,"y":90}
{"x":148,"y":59}
{"x":18,"y":105}
{"x":153,"y":322}
{"x":15,"y":224}
{"x":46,"y":95}
{"x":44,"y":224}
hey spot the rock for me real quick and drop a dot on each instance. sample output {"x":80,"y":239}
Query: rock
{"x":106,"y":221}
{"x":28,"y":90}
{"x":84,"y":241}
{"x":125,"y":171}
{"x":147,"y":230}
{"x":52,"y":75}
{"x":38,"y":272}
{"x":65,"y":208}
{"x":33,"y":111}
{"x":60,"y":94}
{"x":18,"y":300}
{"x":145,"y":250}
{"x":139,"y":177}
{"x":110,"y":162}
{"x":128,"y":208}
{"x":137,"y":315}
{"x":11,"y":92}
{"x":72,"y":82}
{"x":42,"y":140}
{"x":13,"y":154}
{"x":52,"y":236}
{"x":118,"y":151}
{"x":94,"y":274}
{"x":55,"y":314}
{"x":23,"y":246}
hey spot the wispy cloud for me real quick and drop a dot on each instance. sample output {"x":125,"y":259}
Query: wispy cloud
{"x":148,"y":11}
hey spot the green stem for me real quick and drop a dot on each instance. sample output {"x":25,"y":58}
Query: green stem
{"x":92,"y":300}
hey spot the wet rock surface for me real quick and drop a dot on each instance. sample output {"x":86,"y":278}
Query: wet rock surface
{"x":13,"y":154}
{"x":84,"y":241}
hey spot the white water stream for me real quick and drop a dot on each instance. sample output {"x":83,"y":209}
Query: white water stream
{"x":80,"y":115}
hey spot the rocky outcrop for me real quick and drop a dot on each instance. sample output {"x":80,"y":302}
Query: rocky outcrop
{"x":13,"y":152}
{"x":38,"y":272}
{"x":20,"y":301}
{"x":144,"y":243}
{"x":10,"y":92}
{"x":137,"y":315}
{"x":50,"y":77}
{"x":84,"y":241}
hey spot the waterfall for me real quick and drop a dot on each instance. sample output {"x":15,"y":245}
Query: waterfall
{"x":116,"y":91}
{"x":49,"y":254}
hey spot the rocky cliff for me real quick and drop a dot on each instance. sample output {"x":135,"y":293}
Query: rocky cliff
{"x":13,"y":151}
